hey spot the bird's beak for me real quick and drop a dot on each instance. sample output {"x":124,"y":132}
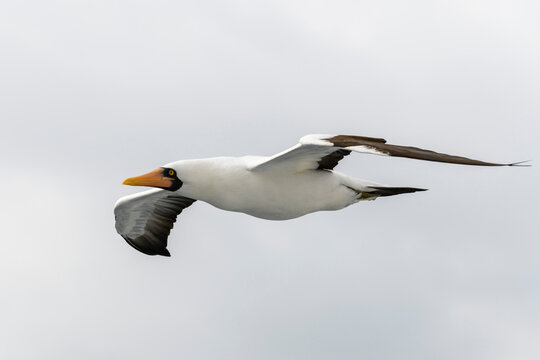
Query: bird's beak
{"x":154,"y":178}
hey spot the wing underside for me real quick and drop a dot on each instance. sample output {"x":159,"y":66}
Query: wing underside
{"x":145,"y":219}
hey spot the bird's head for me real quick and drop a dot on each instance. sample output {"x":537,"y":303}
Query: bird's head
{"x":164,"y":177}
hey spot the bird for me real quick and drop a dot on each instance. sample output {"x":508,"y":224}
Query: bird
{"x":290,"y":184}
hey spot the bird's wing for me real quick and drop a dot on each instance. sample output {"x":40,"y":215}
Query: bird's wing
{"x":323,"y":152}
{"x":145,"y":219}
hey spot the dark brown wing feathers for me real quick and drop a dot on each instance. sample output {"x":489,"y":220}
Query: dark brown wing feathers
{"x":404,"y":151}
{"x":330,"y":161}
{"x":352,"y":140}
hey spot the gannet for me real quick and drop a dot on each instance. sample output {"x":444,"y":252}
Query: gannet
{"x":290,"y":184}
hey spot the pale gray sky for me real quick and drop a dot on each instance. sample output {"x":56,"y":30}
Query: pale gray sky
{"x":93,"y":92}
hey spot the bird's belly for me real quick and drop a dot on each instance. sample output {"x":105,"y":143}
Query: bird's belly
{"x":283,"y":198}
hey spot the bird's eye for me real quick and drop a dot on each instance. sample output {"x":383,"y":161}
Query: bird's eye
{"x":171,"y":172}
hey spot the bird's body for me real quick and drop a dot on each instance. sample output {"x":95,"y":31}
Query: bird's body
{"x":293,"y":183}
{"x":228,"y":184}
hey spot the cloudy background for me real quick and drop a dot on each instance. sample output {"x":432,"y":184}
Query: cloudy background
{"x":92,"y":92}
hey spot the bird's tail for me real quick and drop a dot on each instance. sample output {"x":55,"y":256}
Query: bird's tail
{"x":376,"y":191}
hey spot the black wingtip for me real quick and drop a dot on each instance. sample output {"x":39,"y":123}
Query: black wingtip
{"x":143,"y":245}
{"x":165,"y":252}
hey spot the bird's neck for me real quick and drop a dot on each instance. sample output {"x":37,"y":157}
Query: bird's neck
{"x":203,"y":178}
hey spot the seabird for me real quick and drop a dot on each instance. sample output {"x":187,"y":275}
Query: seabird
{"x":293,"y":183}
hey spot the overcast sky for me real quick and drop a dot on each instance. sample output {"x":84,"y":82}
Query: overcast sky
{"x":92,"y":92}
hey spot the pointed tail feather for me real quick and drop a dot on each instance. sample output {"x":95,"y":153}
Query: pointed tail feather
{"x":389,"y":191}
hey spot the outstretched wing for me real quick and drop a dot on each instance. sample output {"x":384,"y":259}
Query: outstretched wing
{"x":145,"y":219}
{"x":323,"y":152}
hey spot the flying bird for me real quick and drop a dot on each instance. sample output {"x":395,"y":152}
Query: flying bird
{"x":290,"y":184}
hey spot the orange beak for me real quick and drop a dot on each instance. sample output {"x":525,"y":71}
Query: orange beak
{"x":154,"y":178}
